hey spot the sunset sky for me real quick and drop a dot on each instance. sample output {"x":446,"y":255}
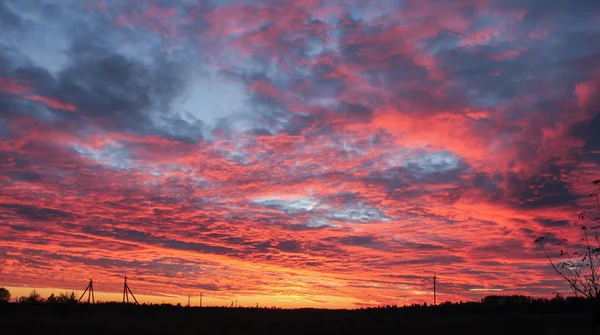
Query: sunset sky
{"x":324,"y":153}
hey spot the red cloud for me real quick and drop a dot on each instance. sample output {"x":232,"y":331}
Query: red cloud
{"x":51,"y":102}
{"x":376,"y":151}
{"x":13,"y":86}
{"x":587,"y":90}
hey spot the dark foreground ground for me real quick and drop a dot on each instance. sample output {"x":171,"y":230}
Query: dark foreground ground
{"x":449,"y":319}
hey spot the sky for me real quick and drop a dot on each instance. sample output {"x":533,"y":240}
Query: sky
{"x":304,"y":153}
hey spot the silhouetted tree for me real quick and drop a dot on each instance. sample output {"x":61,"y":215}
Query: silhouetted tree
{"x":33,"y":298}
{"x":4,"y":295}
{"x":580,"y":269}
{"x":67,"y":298}
{"x":62,"y":298}
{"x":509,"y":300}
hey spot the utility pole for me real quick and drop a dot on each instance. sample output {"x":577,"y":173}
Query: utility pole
{"x":200,"y":299}
{"x":434,"y":291}
{"x":90,"y":291}
{"x":127,"y":292}
{"x":189,"y":296}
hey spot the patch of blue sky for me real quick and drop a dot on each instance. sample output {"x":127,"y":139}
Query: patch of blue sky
{"x":289,"y":206}
{"x":110,"y":155}
{"x":434,"y":161}
{"x":357,"y":213}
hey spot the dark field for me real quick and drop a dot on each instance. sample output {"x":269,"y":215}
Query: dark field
{"x":469,"y":318}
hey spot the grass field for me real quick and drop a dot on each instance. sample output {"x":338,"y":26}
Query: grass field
{"x":473,"y":318}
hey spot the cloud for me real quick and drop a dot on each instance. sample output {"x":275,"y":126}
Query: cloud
{"x":289,"y":246}
{"x":9,"y":18}
{"x":553,"y":223}
{"x":311,"y":149}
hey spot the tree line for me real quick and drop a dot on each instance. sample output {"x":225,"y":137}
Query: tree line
{"x":35,"y":298}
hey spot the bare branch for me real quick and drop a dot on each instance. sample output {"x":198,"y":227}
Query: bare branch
{"x":581,"y":273}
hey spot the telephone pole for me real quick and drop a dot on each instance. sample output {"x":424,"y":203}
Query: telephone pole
{"x":127,"y":292}
{"x":90,"y":291}
{"x":189,"y":296}
{"x":200,"y":299}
